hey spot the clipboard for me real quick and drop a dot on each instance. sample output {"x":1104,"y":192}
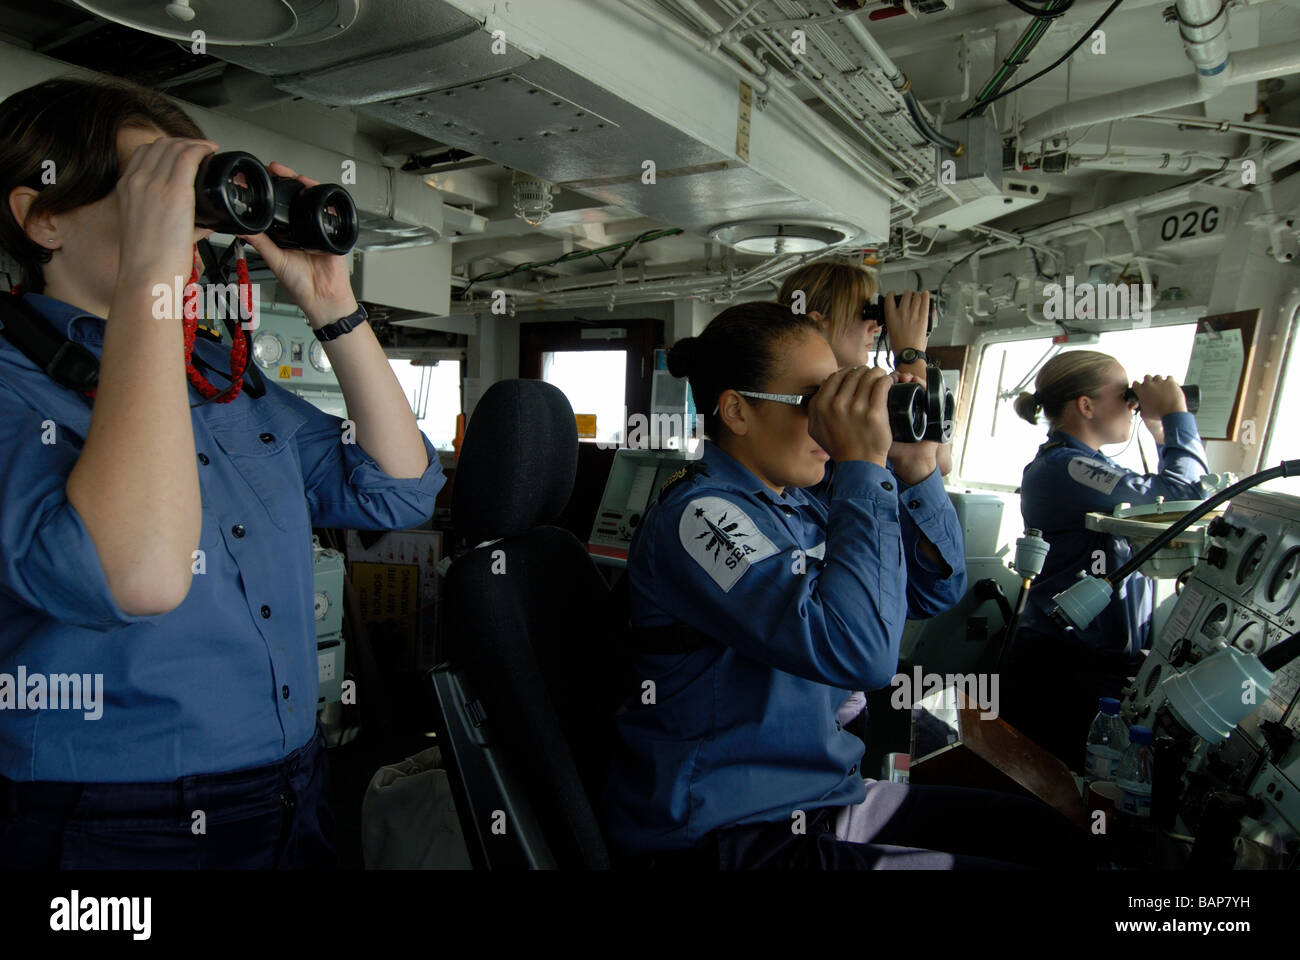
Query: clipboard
{"x":1209,"y":330}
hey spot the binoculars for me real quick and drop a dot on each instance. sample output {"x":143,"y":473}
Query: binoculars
{"x":918,"y":412}
{"x":235,"y":193}
{"x":875,"y":311}
{"x":1191,"y":393}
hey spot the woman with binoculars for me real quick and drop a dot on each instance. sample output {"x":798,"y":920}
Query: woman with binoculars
{"x":756,"y":608}
{"x":1054,"y":676}
{"x":153,"y":545}
{"x":839,"y":298}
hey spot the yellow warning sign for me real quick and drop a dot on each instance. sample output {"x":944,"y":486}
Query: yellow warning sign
{"x":285,"y":372}
{"x":586,"y":425}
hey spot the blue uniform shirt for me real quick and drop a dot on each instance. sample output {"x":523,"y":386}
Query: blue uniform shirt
{"x":1068,"y":479}
{"x":229,"y":678}
{"x":805,"y":599}
{"x":924,"y":509}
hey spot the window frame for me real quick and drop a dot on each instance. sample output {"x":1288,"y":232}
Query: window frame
{"x":1170,"y":317}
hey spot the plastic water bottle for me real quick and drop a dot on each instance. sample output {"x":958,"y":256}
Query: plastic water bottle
{"x":1107,"y":739}
{"x":1134,"y":774}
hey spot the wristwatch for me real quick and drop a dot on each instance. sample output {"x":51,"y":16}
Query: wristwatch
{"x":911,"y":355}
{"x":332,"y":331}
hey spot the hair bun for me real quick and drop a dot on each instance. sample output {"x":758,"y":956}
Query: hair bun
{"x":681,"y":356}
{"x":1027,"y":406}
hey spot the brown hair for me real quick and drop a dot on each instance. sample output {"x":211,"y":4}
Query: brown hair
{"x":834,"y":289}
{"x":1064,"y":378}
{"x":73,"y":123}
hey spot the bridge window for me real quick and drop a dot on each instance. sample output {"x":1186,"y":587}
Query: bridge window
{"x":595,"y":382}
{"x":432,"y":389}
{"x":999,"y":444}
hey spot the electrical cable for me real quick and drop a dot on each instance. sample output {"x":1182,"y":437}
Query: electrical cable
{"x":1040,"y":13}
{"x":1087,"y":34}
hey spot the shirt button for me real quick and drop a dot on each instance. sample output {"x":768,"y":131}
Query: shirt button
{"x":203,"y":459}
{"x":887,"y":485}
{"x":284,"y":691}
{"x":267,"y":437}
{"x":853,"y":769}
{"x":914,"y":504}
{"x":266,"y":612}
{"x":237,"y":530}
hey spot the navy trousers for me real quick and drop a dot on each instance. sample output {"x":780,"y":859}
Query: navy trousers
{"x":272,"y":817}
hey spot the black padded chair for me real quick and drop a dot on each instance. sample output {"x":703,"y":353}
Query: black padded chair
{"x":535,"y":649}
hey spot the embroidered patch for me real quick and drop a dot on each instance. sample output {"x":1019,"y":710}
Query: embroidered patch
{"x":722,"y":539}
{"x":1094,"y":474}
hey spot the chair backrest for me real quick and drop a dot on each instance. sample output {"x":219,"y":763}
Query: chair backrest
{"x":535,"y":665}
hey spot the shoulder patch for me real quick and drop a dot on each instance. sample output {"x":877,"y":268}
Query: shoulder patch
{"x":722,"y":539}
{"x":1094,"y":474}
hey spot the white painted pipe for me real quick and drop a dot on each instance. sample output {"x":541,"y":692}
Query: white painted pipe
{"x":1203,"y":25}
{"x":1158,"y":163}
{"x":1280,"y":156}
{"x":1246,"y":66}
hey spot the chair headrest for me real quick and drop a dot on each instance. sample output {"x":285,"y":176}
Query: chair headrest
{"x":517,"y":463}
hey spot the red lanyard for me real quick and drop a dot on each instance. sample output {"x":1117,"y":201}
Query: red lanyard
{"x":238,"y":349}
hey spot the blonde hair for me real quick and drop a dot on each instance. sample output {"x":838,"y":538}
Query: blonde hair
{"x":833,"y":288}
{"x":1066,"y":377}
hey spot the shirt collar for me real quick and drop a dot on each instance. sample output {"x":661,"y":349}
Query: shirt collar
{"x":1070,"y":440}
{"x":726,"y":469}
{"x":72,"y":322}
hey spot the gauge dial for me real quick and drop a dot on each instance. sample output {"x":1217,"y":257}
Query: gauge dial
{"x":268,"y":349}
{"x":318,"y":358}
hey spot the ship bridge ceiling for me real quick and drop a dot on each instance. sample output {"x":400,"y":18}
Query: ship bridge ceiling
{"x":597,"y":151}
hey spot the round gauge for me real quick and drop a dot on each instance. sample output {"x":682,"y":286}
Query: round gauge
{"x":321,"y":604}
{"x":1250,"y":559}
{"x":318,"y":358}
{"x":1287,"y":572}
{"x":268,"y":349}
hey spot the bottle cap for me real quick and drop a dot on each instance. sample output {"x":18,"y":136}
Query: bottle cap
{"x":1109,"y":706}
{"x":1139,"y":735}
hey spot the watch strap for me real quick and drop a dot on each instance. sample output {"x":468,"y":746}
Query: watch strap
{"x":332,"y":331}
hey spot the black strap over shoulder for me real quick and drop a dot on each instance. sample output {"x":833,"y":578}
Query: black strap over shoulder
{"x":64,"y":361}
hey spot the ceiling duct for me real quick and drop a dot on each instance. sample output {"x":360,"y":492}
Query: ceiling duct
{"x":588,"y":96}
{"x":221,"y":22}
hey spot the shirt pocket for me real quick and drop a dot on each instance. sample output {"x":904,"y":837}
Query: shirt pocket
{"x":261,"y":448}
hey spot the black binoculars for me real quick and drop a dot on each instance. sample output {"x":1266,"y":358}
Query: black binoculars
{"x":235,"y":193}
{"x":874,"y":311}
{"x":1191,"y":393}
{"x":941,"y":408}
{"x":909,"y":413}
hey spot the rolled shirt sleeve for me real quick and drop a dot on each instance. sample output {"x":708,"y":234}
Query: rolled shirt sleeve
{"x":48,"y":560}
{"x":925,"y":509}
{"x":345,"y":487}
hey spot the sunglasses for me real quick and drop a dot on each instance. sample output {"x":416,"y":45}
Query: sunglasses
{"x":793,"y":399}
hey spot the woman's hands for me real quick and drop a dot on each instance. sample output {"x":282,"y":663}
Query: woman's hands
{"x":155,"y":203}
{"x":1158,"y":396}
{"x":848,"y":416}
{"x":908,"y":321}
{"x":317,"y":281}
